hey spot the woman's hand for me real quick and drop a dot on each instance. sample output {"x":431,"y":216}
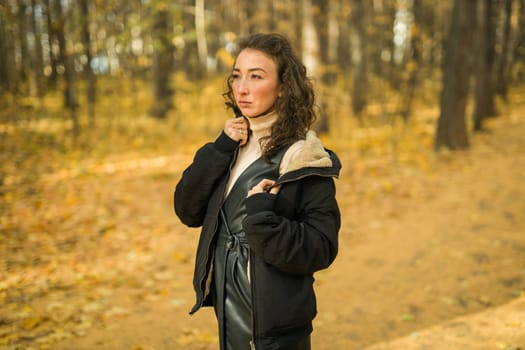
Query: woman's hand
{"x":264,"y":185}
{"x":237,"y":130}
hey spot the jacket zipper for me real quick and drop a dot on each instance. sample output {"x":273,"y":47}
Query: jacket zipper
{"x":204,"y":279}
{"x":299,"y":177}
{"x":207,"y":274}
{"x":254,"y":311}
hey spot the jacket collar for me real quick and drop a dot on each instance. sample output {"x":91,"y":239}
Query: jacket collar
{"x":311,"y":158}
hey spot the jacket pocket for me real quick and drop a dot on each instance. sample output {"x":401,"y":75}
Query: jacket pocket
{"x":283,"y":301}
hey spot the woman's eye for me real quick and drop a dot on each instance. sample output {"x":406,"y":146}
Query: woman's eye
{"x":256,"y":76}
{"x":235,"y":76}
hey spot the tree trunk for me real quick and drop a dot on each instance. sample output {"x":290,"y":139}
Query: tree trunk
{"x":200,"y":30}
{"x":70,"y":101}
{"x":518,"y":52}
{"x":452,"y":129}
{"x":52,"y":34}
{"x":4,"y":77}
{"x":483,"y":58}
{"x":310,"y":39}
{"x":91,"y":88}
{"x":333,"y":34}
{"x":310,"y":50}
{"x":318,"y":13}
{"x":502,"y":79}
{"x":162,"y":63}
{"x":343,"y":45}
{"x":37,"y":55}
{"x":8,"y":71}
{"x":296,"y":25}
{"x":358,"y":56}
{"x":413,"y":65}
{"x":25,"y":63}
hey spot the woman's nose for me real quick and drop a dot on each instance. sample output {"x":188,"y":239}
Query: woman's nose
{"x":242,"y":87}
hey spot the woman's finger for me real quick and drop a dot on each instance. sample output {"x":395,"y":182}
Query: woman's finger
{"x":265,"y":185}
{"x":237,"y":130}
{"x":275,"y":189}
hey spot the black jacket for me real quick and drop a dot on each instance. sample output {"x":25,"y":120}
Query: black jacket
{"x":291,"y":235}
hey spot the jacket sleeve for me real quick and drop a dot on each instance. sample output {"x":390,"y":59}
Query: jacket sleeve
{"x":300,"y":245}
{"x":198,"y":181}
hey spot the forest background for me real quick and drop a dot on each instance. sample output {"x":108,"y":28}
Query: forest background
{"x":103,"y":102}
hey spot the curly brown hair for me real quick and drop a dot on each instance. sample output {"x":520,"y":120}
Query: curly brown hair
{"x":296,"y":106}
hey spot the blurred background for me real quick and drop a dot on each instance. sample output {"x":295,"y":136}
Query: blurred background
{"x":104,"y":102}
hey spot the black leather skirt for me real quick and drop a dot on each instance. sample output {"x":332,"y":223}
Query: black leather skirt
{"x":232,"y":291}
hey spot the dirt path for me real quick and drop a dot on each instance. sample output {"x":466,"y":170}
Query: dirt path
{"x":453,"y":245}
{"x":497,"y":328}
{"x":419,"y":248}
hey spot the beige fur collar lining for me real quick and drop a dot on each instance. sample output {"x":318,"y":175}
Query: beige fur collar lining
{"x":306,"y":153}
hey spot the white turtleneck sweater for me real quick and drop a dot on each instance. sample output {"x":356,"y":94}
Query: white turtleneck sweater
{"x":251,"y":151}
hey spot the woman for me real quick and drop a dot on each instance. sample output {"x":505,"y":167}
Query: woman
{"x":264,"y":195}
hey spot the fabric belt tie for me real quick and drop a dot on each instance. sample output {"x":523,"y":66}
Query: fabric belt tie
{"x":235,"y":240}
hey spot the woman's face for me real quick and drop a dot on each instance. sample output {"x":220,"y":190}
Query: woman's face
{"x":255,"y":83}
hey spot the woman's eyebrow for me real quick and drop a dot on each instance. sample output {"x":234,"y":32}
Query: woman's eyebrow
{"x":251,"y":69}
